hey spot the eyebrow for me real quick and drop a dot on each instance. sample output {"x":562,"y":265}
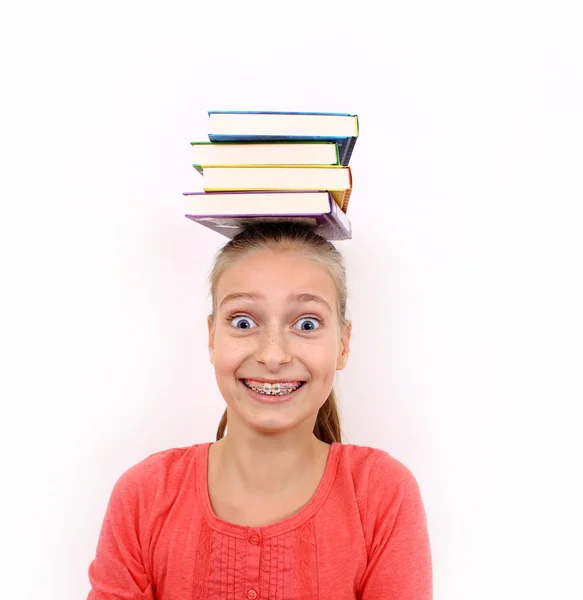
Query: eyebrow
{"x":298,"y":298}
{"x":238,"y":296}
{"x":312,"y":298}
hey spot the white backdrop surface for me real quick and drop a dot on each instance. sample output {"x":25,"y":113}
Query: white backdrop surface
{"x":465,"y":269}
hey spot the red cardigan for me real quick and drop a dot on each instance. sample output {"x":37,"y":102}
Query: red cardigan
{"x":363,"y":535}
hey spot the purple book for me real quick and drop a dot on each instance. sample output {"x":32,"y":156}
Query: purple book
{"x":229,"y":212}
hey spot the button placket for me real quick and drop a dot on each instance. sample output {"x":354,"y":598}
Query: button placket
{"x":254,"y":539}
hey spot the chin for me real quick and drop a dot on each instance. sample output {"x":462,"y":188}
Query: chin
{"x":270,"y":423}
{"x":264,"y":423}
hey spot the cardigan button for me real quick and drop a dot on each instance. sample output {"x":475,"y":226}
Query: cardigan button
{"x":254,"y":539}
{"x":252,"y":595}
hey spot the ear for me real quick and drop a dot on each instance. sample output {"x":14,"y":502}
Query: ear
{"x":211,"y":340}
{"x":344,"y":345}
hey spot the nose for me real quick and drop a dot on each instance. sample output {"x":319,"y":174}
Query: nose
{"x":273,"y":349}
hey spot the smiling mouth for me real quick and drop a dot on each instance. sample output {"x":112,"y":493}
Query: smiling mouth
{"x":282,"y":388}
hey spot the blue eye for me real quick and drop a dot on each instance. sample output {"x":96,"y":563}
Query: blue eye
{"x":243,"y":322}
{"x":309,"y":324}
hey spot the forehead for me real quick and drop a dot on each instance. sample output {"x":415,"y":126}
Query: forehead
{"x":276,"y":275}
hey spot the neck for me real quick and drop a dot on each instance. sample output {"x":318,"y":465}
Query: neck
{"x":267,"y":464}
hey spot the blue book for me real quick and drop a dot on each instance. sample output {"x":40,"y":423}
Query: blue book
{"x":266,"y":126}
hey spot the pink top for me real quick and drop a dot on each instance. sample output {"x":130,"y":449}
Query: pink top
{"x":363,"y":535}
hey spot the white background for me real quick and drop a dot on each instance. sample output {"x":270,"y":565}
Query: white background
{"x":465,"y":269}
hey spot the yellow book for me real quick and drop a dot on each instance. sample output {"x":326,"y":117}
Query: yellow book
{"x":335,"y":179}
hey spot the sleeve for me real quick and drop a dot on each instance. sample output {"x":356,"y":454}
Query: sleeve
{"x":118,"y":571}
{"x":399,"y":558}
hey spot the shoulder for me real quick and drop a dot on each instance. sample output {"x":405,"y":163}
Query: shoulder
{"x":367,"y":464}
{"x":379,"y":480}
{"x":387,"y":494}
{"x":159,"y":468}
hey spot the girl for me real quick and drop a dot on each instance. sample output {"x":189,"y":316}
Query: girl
{"x":277,"y":508}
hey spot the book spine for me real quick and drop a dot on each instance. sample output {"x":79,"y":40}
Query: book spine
{"x":345,"y":147}
{"x":342,"y":198}
{"x":346,"y":199}
{"x":331,"y":226}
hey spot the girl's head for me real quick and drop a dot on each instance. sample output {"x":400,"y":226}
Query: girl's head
{"x":279,"y":317}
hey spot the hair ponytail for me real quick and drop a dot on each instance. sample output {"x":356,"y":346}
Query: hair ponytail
{"x":327,"y":427}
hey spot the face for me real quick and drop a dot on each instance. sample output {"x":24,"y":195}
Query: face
{"x":276,"y":341}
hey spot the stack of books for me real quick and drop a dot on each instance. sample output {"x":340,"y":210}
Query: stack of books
{"x":275,"y":166}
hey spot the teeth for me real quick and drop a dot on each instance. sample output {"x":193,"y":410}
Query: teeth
{"x":273,"y":389}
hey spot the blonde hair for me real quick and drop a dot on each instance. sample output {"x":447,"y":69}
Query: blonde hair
{"x":281,"y":236}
